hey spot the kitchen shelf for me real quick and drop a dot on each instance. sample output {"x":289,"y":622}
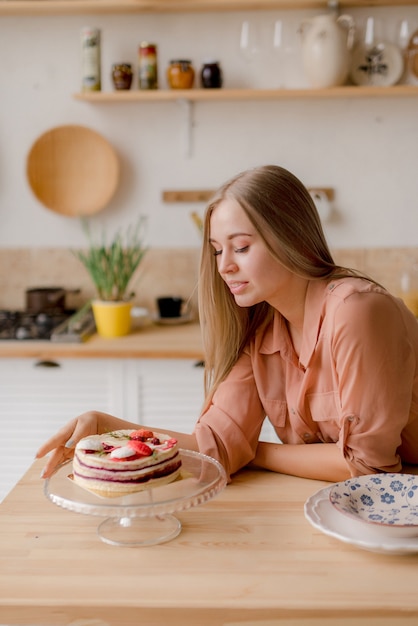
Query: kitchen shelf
{"x":75,"y":7}
{"x":224,"y":95}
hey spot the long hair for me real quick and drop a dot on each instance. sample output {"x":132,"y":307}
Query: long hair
{"x":283,"y":213}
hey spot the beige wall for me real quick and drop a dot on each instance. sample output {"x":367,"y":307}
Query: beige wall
{"x":365,"y":149}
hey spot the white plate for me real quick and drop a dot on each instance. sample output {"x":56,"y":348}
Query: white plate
{"x":323,"y":516}
{"x":379,"y":65}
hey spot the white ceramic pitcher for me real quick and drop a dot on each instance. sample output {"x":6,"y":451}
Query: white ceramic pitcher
{"x":326,"y":49}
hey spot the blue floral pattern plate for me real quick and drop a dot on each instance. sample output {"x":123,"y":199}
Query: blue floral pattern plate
{"x":387,"y":503}
{"x":323,"y":516}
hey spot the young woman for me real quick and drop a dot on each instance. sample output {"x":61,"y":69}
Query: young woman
{"x":326,"y":354}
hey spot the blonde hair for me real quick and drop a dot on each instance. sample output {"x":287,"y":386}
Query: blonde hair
{"x":283,"y":213}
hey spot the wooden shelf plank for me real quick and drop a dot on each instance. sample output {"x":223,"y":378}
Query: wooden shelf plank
{"x":174,"y":196}
{"x":74,"y":7}
{"x":224,"y":95}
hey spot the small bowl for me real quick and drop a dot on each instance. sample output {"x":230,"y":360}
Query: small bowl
{"x":387,"y":503}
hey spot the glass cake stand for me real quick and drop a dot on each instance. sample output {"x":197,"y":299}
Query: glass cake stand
{"x":146,"y":517}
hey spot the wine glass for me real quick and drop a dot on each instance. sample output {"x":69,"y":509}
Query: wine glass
{"x":404,"y":33}
{"x":286,"y":54}
{"x":372,"y":32}
{"x":278,"y":52}
{"x":249,"y":43}
{"x":369,"y":32}
{"x":278,"y":42}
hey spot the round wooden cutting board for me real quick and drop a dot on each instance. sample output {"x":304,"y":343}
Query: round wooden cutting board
{"x":73,"y":170}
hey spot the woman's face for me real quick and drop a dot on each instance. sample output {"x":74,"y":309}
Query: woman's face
{"x":243,"y":259}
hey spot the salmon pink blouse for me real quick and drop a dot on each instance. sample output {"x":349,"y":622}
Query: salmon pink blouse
{"x":354,"y":383}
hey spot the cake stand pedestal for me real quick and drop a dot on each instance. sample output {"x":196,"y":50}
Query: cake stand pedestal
{"x":139,"y":531}
{"x":146,"y":517}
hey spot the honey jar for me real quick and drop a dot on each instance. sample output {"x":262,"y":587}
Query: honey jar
{"x":180,"y":74}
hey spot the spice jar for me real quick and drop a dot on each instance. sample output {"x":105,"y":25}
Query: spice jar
{"x":147,"y":66}
{"x":211,"y":75}
{"x":90,"y":59}
{"x":180,"y":74}
{"x":122,"y":75}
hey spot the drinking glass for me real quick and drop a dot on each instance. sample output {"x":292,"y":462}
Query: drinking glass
{"x":249,"y":43}
{"x":372,"y":32}
{"x":286,"y":54}
{"x":279,"y":54}
{"x":404,"y":31}
{"x":405,"y":39}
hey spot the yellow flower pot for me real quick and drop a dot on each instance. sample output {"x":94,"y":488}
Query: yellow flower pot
{"x":113,"y":319}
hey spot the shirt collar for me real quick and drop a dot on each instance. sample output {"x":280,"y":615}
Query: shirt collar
{"x":276,"y":337}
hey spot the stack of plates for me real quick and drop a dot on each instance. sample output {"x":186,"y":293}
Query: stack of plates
{"x":377,"y":512}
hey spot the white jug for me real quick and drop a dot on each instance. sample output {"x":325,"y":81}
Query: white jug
{"x":326,"y":49}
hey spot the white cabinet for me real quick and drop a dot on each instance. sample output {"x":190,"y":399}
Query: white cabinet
{"x":164,"y":393}
{"x":37,"y":397}
{"x":35,"y":400}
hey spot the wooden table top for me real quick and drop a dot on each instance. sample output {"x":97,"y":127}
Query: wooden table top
{"x":247,"y":557}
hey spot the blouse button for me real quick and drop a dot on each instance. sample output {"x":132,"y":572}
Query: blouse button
{"x":306,"y":436}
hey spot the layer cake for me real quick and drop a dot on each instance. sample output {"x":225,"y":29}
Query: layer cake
{"x":125,"y":461}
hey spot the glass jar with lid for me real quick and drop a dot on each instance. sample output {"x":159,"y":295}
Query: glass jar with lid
{"x":180,"y":74}
{"x":211,"y":75}
{"x":122,"y":75}
{"x":147,"y":66}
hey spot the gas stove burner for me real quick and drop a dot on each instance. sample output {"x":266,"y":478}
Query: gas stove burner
{"x":24,"y":332}
{"x":43,"y":319}
{"x":59,"y":325}
{"x":26,"y":325}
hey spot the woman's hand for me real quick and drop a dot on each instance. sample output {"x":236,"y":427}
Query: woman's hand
{"x":62,"y":444}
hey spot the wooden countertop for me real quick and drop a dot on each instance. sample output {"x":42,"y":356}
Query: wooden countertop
{"x":246,"y":557}
{"x":149,"y":341}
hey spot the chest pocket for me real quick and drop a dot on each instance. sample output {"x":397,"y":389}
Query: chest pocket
{"x":276,"y":411}
{"x":324,"y":407}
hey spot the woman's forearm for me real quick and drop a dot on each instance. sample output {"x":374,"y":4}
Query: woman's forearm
{"x":106,"y":423}
{"x":322,"y":461}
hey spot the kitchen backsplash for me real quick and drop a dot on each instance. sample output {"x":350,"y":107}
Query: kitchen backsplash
{"x":164,"y":271}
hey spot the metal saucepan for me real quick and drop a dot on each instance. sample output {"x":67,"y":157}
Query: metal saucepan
{"x":73,"y":170}
{"x":43,"y":299}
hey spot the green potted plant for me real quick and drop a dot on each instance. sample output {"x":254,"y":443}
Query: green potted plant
{"x":111,"y":267}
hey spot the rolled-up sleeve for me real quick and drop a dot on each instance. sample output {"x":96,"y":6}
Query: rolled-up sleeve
{"x":229,"y":429}
{"x":375,"y":365}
